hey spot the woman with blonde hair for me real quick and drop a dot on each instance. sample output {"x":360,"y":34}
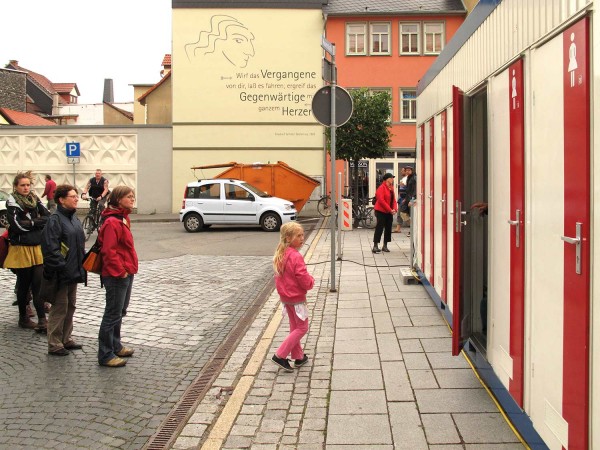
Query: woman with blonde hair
{"x":119,"y":265}
{"x":27,"y":217}
{"x":293,"y":282}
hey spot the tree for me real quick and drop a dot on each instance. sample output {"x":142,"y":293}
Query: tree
{"x":367,"y":133}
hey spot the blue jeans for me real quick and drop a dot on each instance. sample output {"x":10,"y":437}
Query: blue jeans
{"x":118,"y":293}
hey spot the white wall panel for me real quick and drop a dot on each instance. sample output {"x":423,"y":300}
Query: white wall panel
{"x":545,"y":226}
{"x":595,"y":194}
{"x":499,"y":229}
{"x":427,"y":216}
{"x":437,"y":205}
{"x":449,"y":203}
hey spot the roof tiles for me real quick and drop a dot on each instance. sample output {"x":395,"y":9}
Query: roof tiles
{"x":370,"y":7}
{"x":24,"y":119}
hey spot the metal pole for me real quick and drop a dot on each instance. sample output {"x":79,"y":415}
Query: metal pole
{"x":332,"y":287}
{"x":74,"y":182}
{"x":412,"y":236}
{"x":340,"y":216}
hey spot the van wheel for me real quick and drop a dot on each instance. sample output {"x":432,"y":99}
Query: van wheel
{"x":270,"y":222}
{"x":193,"y":222}
{"x":3,"y":219}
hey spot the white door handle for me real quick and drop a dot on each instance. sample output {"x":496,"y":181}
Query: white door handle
{"x":458,"y":223}
{"x":517,"y":223}
{"x":577,"y":242}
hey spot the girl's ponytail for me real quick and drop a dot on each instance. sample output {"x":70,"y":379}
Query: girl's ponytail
{"x":286,"y":234}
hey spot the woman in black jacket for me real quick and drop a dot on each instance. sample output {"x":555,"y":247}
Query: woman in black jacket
{"x":26,"y":219}
{"x":63,"y":245}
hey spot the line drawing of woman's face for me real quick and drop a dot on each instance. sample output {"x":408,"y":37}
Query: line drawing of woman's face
{"x":238,"y":47}
{"x":227,"y":36}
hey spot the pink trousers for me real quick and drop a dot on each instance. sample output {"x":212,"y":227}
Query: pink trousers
{"x":291,"y":344}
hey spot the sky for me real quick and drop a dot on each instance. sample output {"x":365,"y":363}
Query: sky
{"x":84,"y":42}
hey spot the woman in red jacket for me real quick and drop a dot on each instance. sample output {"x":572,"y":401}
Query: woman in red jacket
{"x":119,"y":265}
{"x":385,"y":208}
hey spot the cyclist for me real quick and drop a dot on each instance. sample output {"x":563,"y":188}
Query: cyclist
{"x":97,"y":191}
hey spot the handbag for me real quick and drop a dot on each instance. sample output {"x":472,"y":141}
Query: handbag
{"x":48,"y":289}
{"x":3,"y":248}
{"x":92,"y":261}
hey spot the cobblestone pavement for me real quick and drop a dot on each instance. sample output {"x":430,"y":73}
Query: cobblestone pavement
{"x":181,"y":310}
{"x":380,"y":374}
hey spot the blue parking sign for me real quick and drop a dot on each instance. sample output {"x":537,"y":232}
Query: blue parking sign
{"x":73,"y":149}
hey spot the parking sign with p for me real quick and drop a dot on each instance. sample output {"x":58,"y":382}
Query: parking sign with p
{"x":73,"y":150}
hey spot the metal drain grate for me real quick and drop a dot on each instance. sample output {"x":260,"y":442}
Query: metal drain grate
{"x":181,"y":412}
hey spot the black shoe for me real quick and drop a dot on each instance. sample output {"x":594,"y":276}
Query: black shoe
{"x":300,"y":362}
{"x":73,"y":346}
{"x":59,"y":352}
{"x":385,"y":249}
{"x":376,"y":248}
{"x":283,"y":363}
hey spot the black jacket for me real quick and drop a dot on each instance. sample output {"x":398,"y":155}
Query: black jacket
{"x":411,"y":187}
{"x":25,"y":225}
{"x":64,"y":227}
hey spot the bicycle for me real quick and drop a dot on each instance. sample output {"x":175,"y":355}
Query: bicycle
{"x":361,"y":211}
{"x":91,"y":221}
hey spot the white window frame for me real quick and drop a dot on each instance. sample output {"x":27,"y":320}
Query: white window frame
{"x":418,"y":37}
{"x":350,"y":51}
{"x":442,"y":34}
{"x":412,"y":105}
{"x":388,"y":38}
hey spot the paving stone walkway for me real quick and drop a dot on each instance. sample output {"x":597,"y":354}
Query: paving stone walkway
{"x":181,"y":310}
{"x":380,"y":374}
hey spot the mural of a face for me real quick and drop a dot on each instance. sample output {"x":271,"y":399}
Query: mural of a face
{"x":238,"y":47}
{"x":228,"y":37}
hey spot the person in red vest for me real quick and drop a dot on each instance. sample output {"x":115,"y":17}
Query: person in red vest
{"x":49,"y":193}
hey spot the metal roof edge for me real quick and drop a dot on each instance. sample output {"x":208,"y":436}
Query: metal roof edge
{"x":398,"y":13}
{"x":473,"y":21}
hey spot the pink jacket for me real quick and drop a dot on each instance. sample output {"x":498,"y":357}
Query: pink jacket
{"x":295,"y":281}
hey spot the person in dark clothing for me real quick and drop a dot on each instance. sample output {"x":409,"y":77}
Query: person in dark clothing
{"x":410,"y":195}
{"x":27,"y":217}
{"x":385,"y":208}
{"x":97,"y":191}
{"x":63,"y":246}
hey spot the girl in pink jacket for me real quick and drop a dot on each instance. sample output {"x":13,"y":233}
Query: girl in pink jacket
{"x":292,"y":281}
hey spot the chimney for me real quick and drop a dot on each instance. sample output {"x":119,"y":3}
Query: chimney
{"x":13,"y":62}
{"x":108,"y":96}
{"x":55,"y":104}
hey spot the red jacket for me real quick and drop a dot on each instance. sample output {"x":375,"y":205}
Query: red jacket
{"x":295,"y":280}
{"x":384,"y":196}
{"x":117,"y":250}
{"x":49,"y":189}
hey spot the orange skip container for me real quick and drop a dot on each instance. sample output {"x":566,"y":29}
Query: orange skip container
{"x":278,"y":180}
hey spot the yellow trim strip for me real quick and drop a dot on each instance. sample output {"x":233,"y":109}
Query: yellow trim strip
{"x":226,"y":419}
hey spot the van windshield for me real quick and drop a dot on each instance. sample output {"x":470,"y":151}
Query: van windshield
{"x":256,"y":190}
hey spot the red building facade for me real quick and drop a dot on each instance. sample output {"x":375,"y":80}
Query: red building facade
{"x":385,"y":49}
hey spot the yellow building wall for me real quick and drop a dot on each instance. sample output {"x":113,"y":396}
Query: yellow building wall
{"x":113,"y":117}
{"x":245,"y":94}
{"x":159,"y":104}
{"x":470,"y":4}
{"x":139,"y":110}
